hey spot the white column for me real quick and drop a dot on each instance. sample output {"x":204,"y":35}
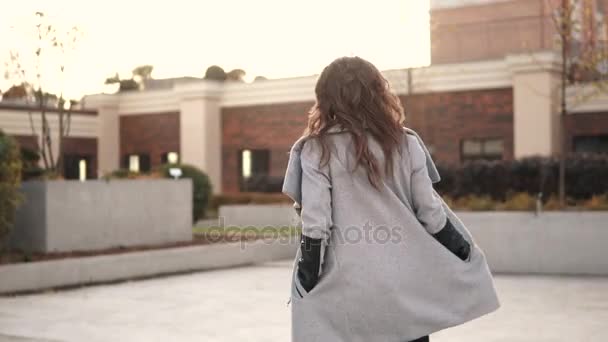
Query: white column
{"x":200,"y":128}
{"x":108,"y":134}
{"x":535,"y":103}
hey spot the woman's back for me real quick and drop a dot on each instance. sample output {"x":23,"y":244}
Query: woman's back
{"x":384,"y":277}
{"x":369,"y":267}
{"x":406,"y":186}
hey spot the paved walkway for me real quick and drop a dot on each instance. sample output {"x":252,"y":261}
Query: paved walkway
{"x":249,"y":304}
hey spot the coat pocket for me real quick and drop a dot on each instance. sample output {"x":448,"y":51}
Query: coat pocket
{"x":297,"y":290}
{"x":447,"y":253}
{"x":453,"y":240}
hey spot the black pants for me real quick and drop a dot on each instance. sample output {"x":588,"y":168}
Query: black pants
{"x":421,"y":339}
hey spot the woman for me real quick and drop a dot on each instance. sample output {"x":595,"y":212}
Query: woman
{"x":382,"y":258}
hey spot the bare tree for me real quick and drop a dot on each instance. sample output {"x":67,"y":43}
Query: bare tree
{"x":582,"y":59}
{"x":52,"y":45}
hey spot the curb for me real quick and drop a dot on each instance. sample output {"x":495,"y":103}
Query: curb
{"x":35,"y":276}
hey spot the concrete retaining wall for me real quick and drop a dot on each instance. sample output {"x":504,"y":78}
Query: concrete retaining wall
{"x":73,"y":215}
{"x":552,"y":243}
{"x":90,"y":270}
{"x":514,"y":242}
{"x":258,"y":215}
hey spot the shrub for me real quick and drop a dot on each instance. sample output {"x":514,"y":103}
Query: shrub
{"x":597,"y":202}
{"x":519,"y":201}
{"x":120,"y":174}
{"x":553,"y":204}
{"x":585,"y":177}
{"x":264,"y":183}
{"x":29,"y":162}
{"x":10,"y":179}
{"x":126,"y":174}
{"x":248,"y":198}
{"x":475,"y":202}
{"x":215,"y":73}
{"x":201,"y":187}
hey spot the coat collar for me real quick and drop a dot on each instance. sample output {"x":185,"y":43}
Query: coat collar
{"x":292,"y":184}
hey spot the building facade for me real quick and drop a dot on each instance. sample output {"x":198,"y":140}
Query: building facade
{"x":80,"y":146}
{"x":496,"y":102}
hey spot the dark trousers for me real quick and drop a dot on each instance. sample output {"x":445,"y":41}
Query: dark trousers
{"x":421,"y":339}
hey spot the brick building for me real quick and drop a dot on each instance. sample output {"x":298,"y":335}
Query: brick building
{"x":484,"y":96}
{"x":80,"y":146}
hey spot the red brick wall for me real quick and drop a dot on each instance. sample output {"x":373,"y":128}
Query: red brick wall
{"x":27,"y":141}
{"x":442,"y":119}
{"x":489,"y":31}
{"x":153,"y":134}
{"x":588,"y":124}
{"x":71,"y":145}
{"x":274,"y":127}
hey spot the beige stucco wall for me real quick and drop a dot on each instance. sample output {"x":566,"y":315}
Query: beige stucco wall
{"x":535,"y":100}
{"x":533,"y":77}
{"x":108,"y":131}
{"x":200,"y":129}
{"x":17,"y":122}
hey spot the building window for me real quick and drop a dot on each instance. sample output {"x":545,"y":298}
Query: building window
{"x":169,"y":158}
{"x":253,"y":168}
{"x":591,"y":143}
{"x":485,"y":149}
{"x":137,"y":162}
{"x":76,"y":166}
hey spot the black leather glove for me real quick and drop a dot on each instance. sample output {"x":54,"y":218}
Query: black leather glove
{"x":309,"y":262}
{"x":451,"y":238}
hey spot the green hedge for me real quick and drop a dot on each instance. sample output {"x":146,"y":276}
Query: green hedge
{"x":201,"y":187}
{"x":248,"y":198}
{"x":586,"y":176}
{"x":30,"y":164}
{"x":10,"y":179}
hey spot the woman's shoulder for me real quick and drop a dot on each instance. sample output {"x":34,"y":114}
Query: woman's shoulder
{"x":298,"y":145}
{"x":411,"y":139}
{"x":413,"y":147}
{"x":305,"y":147}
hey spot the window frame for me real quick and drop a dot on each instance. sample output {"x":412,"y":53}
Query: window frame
{"x":145,"y":157}
{"x":255,"y":171}
{"x":483,"y":155}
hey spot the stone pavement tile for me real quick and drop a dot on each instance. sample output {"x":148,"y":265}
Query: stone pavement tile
{"x":537,"y":308}
{"x":249,"y":304}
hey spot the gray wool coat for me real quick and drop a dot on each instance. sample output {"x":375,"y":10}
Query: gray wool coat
{"x":384,"y":278}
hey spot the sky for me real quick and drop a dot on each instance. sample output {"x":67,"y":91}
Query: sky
{"x":271,"y":38}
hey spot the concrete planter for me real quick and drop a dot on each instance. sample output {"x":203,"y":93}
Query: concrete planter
{"x":572,"y":243}
{"x":114,"y":267}
{"x":72,"y":215}
{"x":569,"y":243}
{"x":257,"y":215}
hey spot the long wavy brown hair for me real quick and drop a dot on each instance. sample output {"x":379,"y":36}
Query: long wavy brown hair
{"x":353,"y":94}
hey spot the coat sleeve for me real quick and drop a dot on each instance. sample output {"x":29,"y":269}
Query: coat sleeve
{"x":427,"y":206}
{"x":316,"y":193}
